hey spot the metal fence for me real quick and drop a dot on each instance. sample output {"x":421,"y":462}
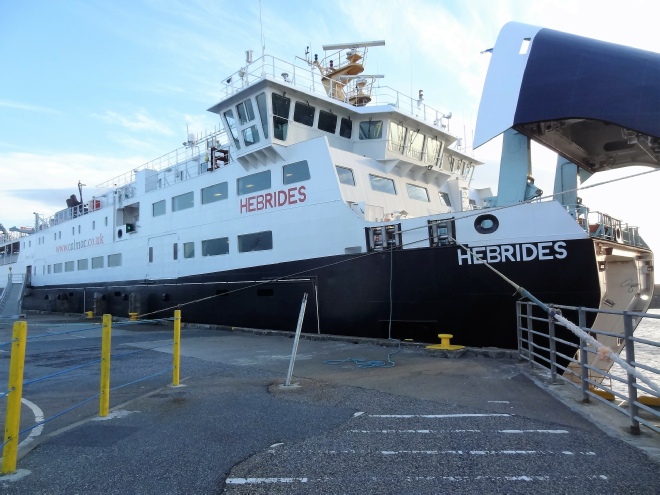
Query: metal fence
{"x":543,"y":342}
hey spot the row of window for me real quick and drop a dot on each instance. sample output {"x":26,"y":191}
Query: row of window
{"x":113,"y":260}
{"x":386,"y":185}
{"x":256,"y":241}
{"x":58,"y":235}
{"x":291,"y":173}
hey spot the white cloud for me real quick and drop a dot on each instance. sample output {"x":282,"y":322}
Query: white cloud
{"x":25,"y":106}
{"x":140,"y":122}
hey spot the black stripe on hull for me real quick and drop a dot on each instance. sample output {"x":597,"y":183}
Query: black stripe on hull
{"x":431,"y":293}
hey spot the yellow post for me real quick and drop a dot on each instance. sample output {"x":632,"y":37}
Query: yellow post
{"x":104,"y":405}
{"x":13,"y":415}
{"x":176,"y":351}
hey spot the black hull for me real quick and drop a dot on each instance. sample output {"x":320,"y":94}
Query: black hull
{"x":430,"y":292}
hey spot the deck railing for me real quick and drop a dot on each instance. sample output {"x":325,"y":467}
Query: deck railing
{"x":538,"y":343}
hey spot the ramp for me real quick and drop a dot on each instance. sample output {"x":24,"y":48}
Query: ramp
{"x":12,"y":297}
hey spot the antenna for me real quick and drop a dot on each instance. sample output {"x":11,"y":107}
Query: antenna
{"x":261,"y":27}
{"x":360,"y":44}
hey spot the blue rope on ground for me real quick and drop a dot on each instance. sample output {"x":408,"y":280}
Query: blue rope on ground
{"x":363,"y":363}
{"x":141,"y":350}
{"x":5,"y":394}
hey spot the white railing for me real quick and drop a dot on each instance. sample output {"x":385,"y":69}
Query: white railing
{"x":604,"y":226}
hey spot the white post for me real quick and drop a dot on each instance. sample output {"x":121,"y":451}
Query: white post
{"x":296,"y":340}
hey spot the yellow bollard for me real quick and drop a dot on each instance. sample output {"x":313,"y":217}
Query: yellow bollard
{"x":444,"y":344}
{"x":176,"y":351}
{"x":133,"y":316}
{"x":104,"y":397}
{"x":89,"y":314}
{"x":13,"y":415}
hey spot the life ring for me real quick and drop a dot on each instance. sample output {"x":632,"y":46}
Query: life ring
{"x":486,"y":224}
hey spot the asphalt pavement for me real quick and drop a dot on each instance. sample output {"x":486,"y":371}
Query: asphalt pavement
{"x":479,"y":422}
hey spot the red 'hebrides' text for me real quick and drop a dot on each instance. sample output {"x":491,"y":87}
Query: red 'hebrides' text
{"x":290,"y":196}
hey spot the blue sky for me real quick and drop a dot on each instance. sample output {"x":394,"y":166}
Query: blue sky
{"x":90,"y":89}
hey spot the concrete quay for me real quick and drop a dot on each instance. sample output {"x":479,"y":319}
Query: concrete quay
{"x":478,"y":420}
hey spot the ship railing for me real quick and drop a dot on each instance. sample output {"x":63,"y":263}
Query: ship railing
{"x":307,"y":77}
{"x":545,"y":344}
{"x":191,"y":150}
{"x":604,"y":226}
{"x":443,"y":161}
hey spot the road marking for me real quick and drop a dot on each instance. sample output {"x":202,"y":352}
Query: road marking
{"x":257,"y":481}
{"x":120,"y":413}
{"x":38,"y":418}
{"x":499,"y":402}
{"x":480,"y":452}
{"x":458,"y":431}
{"x":405,"y":416}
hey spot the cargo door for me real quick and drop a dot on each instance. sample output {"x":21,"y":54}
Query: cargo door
{"x":163,"y":253}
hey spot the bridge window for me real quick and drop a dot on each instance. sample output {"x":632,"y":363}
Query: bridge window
{"x":250,"y":135}
{"x":346,"y":128}
{"x":254,"y":182}
{"x":327,"y":122}
{"x":158,"y":208}
{"x":397,"y":142}
{"x":259,"y":241}
{"x":245,"y":112}
{"x":263,"y":113}
{"x":295,"y":172}
{"x":433,"y":147}
{"x":215,"y":247}
{"x":382,"y":184}
{"x":183,"y":201}
{"x":216,"y":192}
{"x":281,"y":108}
{"x":417,"y":192}
{"x":372,"y":129}
{"x":304,"y":113}
{"x":416,"y":148}
{"x":345,"y":175}
{"x":231,"y":123}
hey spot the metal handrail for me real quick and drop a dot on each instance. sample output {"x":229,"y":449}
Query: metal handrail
{"x":538,"y":346}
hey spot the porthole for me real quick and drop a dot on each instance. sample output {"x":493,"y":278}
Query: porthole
{"x":486,"y":224}
{"x":119,"y":233}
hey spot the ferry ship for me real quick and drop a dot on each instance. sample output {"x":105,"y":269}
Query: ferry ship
{"x":323,"y":180}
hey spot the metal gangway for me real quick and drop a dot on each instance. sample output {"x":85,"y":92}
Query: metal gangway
{"x":12,"y":297}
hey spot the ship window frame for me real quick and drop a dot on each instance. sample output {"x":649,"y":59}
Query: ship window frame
{"x":302,"y":115}
{"x":214,"y":193}
{"x":114,"y":260}
{"x":397,"y":145}
{"x":69,"y":266}
{"x":188,"y":250}
{"x":183,"y":201}
{"x":445,"y":200}
{"x":415,"y":146}
{"x":175,"y":251}
{"x":253,"y":241}
{"x":217,"y":246}
{"x":346,"y":124}
{"x":250,"y":135}
{"x":244,"y":111}
{"x":258,"y":185}
{"x":231,"y":126}
{"x":324,"y":122}
{"x":262,"y":108}
{"x":57,"y":268}
{"x":376,"y":180}
{"x":372,"y":130}
{"x":159,"y":208}
{"x":417,"y":189}
{"x":339,"y":175}
{"x":97,"y":262}
{"x":82,"y":264}
{"x":281,"y":107}
{"x":298,"y":172}
{"x":431,"y":156}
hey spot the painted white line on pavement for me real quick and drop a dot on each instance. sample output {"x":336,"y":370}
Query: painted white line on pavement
{"x":438,"y":415}
{"x":257,"y":481}
{"x":38,"y":418}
